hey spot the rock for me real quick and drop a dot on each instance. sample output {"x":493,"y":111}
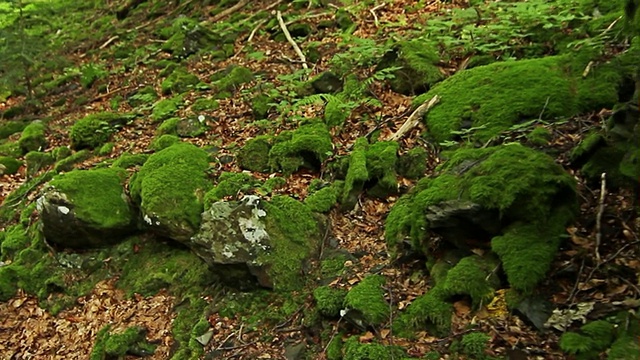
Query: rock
{"x":86,"y":208}
{"x":169,"y":189}
{"x":33,"y":137}
{"x":327,"y":83}
{"x":253,"y":240}
{"x":178,"y":82}
{"x":254,"y":155}
{"x":295,"y":351}
{"x":308,"y":146}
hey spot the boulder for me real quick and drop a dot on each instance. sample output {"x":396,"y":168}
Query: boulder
{"x":86,"y":208}
{"x":253,"y":240}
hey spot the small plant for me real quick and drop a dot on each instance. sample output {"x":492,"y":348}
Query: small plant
{"x":474,"y":345}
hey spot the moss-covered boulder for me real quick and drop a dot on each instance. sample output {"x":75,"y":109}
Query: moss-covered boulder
{"x":178,"y":82}
{"x":170,"y":189}
{"x":186,"y":128}
{"x":86,"y":208}
{"x":131,"y":341}
{"x":254,"y":155}
{"x":308,"y":146}
{"x":37,"y":161}
{"x":33,"y":137}
{"x":323,"y":199}
{"x":94,"y":130}
{"x":365,"y":302}
{"x":11,"y":127}
{"x":163,"y":142}
{"x":489,"y":195}
{"x":227,"y":80}
{"x":9,"y":165}
{"x":329,"y":301}
{"x":415,"y":63}
{"x":165,"y":108}
{"x":12,"y":240}
{"x":500,"y":95}
{"x":186,"y":37}
{"x":230,"y":184}
{"x":254,"y":241}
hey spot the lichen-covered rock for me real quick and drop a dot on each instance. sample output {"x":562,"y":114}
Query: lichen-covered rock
{"x":486,"y":191}
{"x":178,"y":82}
{"x":255,"y":240}
{"x":307,"y":146}
{"x":170,"y":188}
{"x":254,"y":155}
{"x":499,"y":95}
{"x":94,"y":130}
{"x":33,"y":137}
{"x":86,"y":208}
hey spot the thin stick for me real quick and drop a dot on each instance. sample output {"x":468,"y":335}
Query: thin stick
{"x":106,"y":43}
{"x":303,"y":59}
{"x":414,"y":118}
{"x":603,"y":193}
{"x":373,"y":12}
{"x":228,"y":11}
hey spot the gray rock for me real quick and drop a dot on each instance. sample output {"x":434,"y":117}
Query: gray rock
{"x":190,"y":127}
{"x":458,"y":221}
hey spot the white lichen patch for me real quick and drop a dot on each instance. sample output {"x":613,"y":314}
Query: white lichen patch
{"x":63,"y":209}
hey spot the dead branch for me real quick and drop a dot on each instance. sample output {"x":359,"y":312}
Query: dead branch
{"x":106,"y":43}
{"x":303,"y":59}
{"x":231,"y":10}
{"x":603,"y":193}
{"x":414,"y":118}
{"x":373,"y":12}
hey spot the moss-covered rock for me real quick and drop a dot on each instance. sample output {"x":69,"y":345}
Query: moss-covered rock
{"x":474,"y":276}
{"x":33,"y":137}
{"x":413,"y":163}
{"x":94,"y":130}
{"x":430,"y":311}
{"x":74,"y":214}
{"x":254,"y":155}
{"x":178,"y":82}
{"x":354,"y":350}
{"x":165,"y":108}
{"x":329,"y":301}
{"x":187,"y":128}
{"x":416,"y":63}
{"x":307,"y":146}
{"x":204,"y":104}
{"x":9,"y":165}
{"x":68,"y":163}
{"x":11,"y":127}
{"x":10,"y":148}
{"x":131,"y":341}
{"x":230,"y":184}
{"x":14,"y":239}
{"x":322,"y":200}
{"x":37,"y":161}
{"x":229,"y":79}
{"x":170,"y":188}
{"x":500,"y":95}
{"x":163,"y":142}
{"x":357,"y":174}
{"x":61,"y":152}
{"x":367,"y":300}
{"x":127,"y":160}
{"x":186,"y":37}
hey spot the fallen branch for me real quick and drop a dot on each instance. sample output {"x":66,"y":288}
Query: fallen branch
{"x":373,"y":12}
{"x":303,"y":59}
{"x":414,"y":118}
{"x":229,"y":11}
{"x":106,"y":43}
{"x":603,"y":192}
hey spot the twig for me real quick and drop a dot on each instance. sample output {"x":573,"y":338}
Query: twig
{"x":546,"y":103}
{"x":414,"y":118}
{"x":603,"y":192}
{"x":228,"y":11}
{"x":255,"y":30}
{"x":106,"y":43}
{"x":109,"y":93}
{"x":271,"y":6}
{"x":587,"y":69}
{"x":574,"y":290}
{"x":333,"y":335}
{"x":373,"y":12}
{"x":303,"y":59}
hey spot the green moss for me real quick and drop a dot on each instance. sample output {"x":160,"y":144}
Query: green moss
{"x":168,"y":126}
{"x":418,"y":60}
{"x":272,"y":184}
{"x":260,"y":106}
{"x":11,"y":165}
{"x":475,"y":344}
{"x":33,"y":137}
{"x":232,"y":77}
{"x":183,"y":329}
{"x":587,"y":146}
{"x":413,"y":164}
{"x":324,"y":199}
{"x":105,"y":149}
{"x":37,"y":161}
{"x":333,"y":265}
{"x":354,"y":350}
{"x":230,"y":184}
{"x":574,"y":343}
{"x":204,"y":104}
{"x":539,"y":136}
{"x":171,"y":186}
{"x":357,"y":174}
{"x":625,"y":347}
{"x":103,"y":209}
{"x":143,"y":96}
{"x":131,"y":341}
{"x":164,"y":142}
{"x":367,"y":297}
{"x":61,"y":152}
{"x":381,"y":165}
{"x":165,"y":108}
{"x":430,"y":311}
{"x":11,"y":127}
{"x":178,"y":82}
{"x":8,"y":282}
{"x":13,"y":204}
{"x":15,"y":239}
{"x":334,"y":348}
{"x":309,"y":145}
{"x":68,"y":163}
{"x":473,"y":276}
{"x":94,"y":130}
{"x":10,"y":148}
{"x":499,"y":95}
{"x":335,"y":112}
{"x":127,"y":160}
{"x":254,"y":155}
{"x":329,"y":300}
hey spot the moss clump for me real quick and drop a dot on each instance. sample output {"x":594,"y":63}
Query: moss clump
{"x":324,"y":199}
{"x":592,"y":339}
{"x":127,"y":160}
{"x":165,"y":108}
{"x":430,"y":311}
{"x":104,"y":209}
{"x":33,"y":137}
{"x":204,"y":104}
{"x":232,"y":77}
{"x":170,"y":188}
{"x":10,"y":148}
{"x":94,"y":130}
{"x":130,"y":341}
{"x":168,"y":126}
{"x":260,"y":106}
{"x":367,"y":297}
{"x":381,"y":165}
{"x":105,"y":149}
{"x":11,"y":127}
{"x":15,"y":239}
{"x":335,"y":112}
{"x":68,"y":163}
{"x":143,"y":96}
{"x":417,"y":60}
{"x":254,"y":155}
{"x":37,"y":161}
{"x":357,"y":174}
{"x":178,"y":82}
{"x":329,"y":300}
{"x":475,"y":344}
{"x":10,"y":164}
{"x":308,"y":146}
{"x":539,"y":136}
{"x":354,"y":350}
{"x":413,"y":164}
{"x":8,"y":282}
{"x":164,"y":142}
{"x":230,"y":184}
{"x":499,"y":95}
{"x":61,"y":152}
{"x":473,"y":276}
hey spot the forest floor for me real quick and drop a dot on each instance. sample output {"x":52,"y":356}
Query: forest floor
{"x":29,"y":332}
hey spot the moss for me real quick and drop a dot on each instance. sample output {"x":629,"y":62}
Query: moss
{"x":587,"y":146}
{"x":204,"y":104}
{"x":10,"y":148}
{"x":37,"y":161}
{"x":164,"y":142}
{"x":61,"y":152}
{"x":418,"y":60}
{"x":333,"y":265}
{"x":260,"y":106}
{"x":473,"y":276}
{"x":103,"y":209}
{"x":499,"y":95}
{"x":272,"y":184}
{"x":574,"y":343}
{"x":105,"y":149}
{"x":413,"y":164}
{"x":334,"y":348}
{"x":430,"y":311}
{"x":168,"y":126}
{"x":15,"y":239}
{"x":357,"y":174}
{"x":625,"y":347}
{"x":68,"y":163}
{"x":539,"y":136}
{"x":13,"y":204}
{"x":367,"y":297}
{"x":183,"y":327}
{"x":329,"y":300}
{"x":8,"y":282}
{"x":171,"y":186}
{"x":143,"y":96}
{"x":381,"y":165}
{"x":309,"y":145}
{"x":165,"y":108}
{"x":292,"y":242}
{"x":178,"y":82}
{"x":11,"y":127}
{"x":127,"y":160}
{"x":254,"y":155}
{"x":33,"y":137}
{"x":324,"y":199}
{"x":10,"y":164}
{"x":475,"y":344}
{"x":230,"y":78}
{"x":354,"y":350}
{"x":131,"y":341}
{"x":335,"y":112}
{"x":607,"y":160}
{"x":230,"y":184}
{"x":94,"y":130}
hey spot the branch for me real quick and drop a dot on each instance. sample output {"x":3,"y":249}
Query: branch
{"x":303,"y":59}
{"x":414,"y":118}
{"x":373,"y":12}
{"x":228,"y":11}
{"x":603,"y":193}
